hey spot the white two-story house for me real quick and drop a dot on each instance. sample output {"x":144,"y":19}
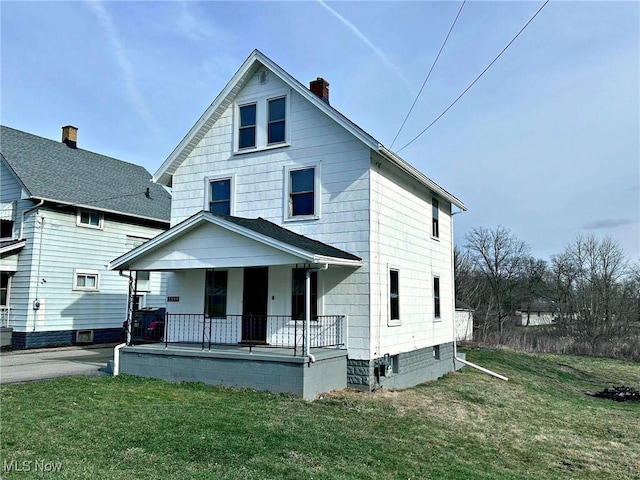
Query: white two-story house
{"x":291,"y":227}
{"x":65,"y":212}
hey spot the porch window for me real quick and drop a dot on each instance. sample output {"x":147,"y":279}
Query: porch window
{"x":298,"y":297}
{"x":302,"y":192}
{"x":394,"y":295}
{"x":220,"y":196}
{"x":4,"y":288}
{"x":436,"y":297}
{"x":215,"y":303}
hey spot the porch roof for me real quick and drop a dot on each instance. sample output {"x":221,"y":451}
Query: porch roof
{"x":207,"y":240}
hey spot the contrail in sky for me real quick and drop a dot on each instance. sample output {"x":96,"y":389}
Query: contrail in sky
{"x":370,"y":44}
{"x":127,"y":69}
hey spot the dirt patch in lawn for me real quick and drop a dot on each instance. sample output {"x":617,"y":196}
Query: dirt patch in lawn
{"x":619,"y":394}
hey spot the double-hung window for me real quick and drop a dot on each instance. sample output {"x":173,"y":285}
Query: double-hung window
{"x":394,"y":295}
{"x":215,"y":303}
{"x":302,"y":192}
{"x":276,"y":122}
{"x":220,"y":196}
{"x":436,"y":297}
{"x":247,"y":129}
{"x":435,"y":226}
{"x":298,"y":295}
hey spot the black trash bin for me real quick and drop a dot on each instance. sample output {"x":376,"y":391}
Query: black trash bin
{"x":148,"y":325}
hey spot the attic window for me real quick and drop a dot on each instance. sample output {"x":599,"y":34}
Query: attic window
{"x":276,"y":130}
{"x":87,"y":218}
{"x":247,"y":132}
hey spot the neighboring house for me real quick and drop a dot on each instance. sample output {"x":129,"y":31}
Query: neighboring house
{"x":291,"y":227}
{"x":464,"y":322}
{"x":65,"y":213}
{"x":540,"y":312}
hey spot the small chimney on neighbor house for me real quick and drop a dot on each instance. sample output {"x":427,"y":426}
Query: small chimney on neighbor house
{"x":70,"y":136}
{"x":320,"y":88}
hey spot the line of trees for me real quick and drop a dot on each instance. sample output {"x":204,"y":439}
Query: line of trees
{"x":591,"y":288}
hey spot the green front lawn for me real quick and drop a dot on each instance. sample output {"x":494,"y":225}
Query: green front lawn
{"x":539,"y":425}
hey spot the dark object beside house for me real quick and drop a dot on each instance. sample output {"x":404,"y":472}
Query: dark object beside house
{"x":147,"y":325}
{"x":619,"y":394}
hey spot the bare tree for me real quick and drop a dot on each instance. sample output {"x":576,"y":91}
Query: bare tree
{"x":499,"y":256}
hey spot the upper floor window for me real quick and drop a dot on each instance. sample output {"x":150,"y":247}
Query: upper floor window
{"x":436,"y":297}
{"x":247,"y":129}
{"x":220,"y":196}
{"x":302,"y":192}
{"x":435,"y":226}
{"x":276,"y":123}
{"x":6,"y":228}
{"x":298,"y":295}
{"x":394,"y":295}
{"x":90,"y":219}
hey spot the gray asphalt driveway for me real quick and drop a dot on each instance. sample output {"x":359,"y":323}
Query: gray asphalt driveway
{"x":41,"y":364}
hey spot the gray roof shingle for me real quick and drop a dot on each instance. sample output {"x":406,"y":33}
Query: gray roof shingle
{"x":52,"y":171}
{"x":269,"y":229}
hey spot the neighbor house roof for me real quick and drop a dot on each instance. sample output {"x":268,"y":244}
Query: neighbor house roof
{"x":258,"y":229}
{"x":52,"y":171}
{"x":249,"y":68}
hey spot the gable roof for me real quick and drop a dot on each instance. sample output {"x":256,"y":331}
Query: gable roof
{"x":258,"y":229}
{"x":51,"y":171}
{"x":226,"y":97}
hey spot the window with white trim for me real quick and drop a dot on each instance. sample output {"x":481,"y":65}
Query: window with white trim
{"x":5,"y":286}
{"x":299,"y":295}
{"x":6,"y":229}
{"x":247,"y":126}
{"x":86,"y":280}
{"x":215,"y":293}
{"x":220,"y":196}
{"x":276,"y":132}
{"x":302,"y":192}
{"x":436,"y":297}
{"x":435,"y":222}
{"x":90,"y":219}
{"x":394,"y":295}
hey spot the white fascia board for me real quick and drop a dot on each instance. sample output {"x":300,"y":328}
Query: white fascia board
{"x":421,"y":177}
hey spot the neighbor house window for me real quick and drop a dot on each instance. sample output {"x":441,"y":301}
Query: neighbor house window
{"x":298,"y":295}
{"x":5,"y":280}
{"x":6,"y":228}
{"x":215,"y":303}
{"x":247,"y":129}
{"x":88,"y":280}
{"x":302,"y":192}
{"x":276,"y":123}
{"x":87,"y":218}
{"x":394,"y":295}
{"x":220,"y":196}
{"x":435,"y":226}
{"x":436,"y":297}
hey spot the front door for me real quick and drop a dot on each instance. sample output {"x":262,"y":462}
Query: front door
{"x":254,"y":305}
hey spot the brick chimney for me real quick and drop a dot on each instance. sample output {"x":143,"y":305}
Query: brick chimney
{"x":70,"y":136}
{"x":320,"y":88}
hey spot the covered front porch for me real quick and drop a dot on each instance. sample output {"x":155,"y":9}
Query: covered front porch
{"x":245,"y":291}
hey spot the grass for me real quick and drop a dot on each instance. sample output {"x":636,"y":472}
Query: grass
{"x":467,"y":425}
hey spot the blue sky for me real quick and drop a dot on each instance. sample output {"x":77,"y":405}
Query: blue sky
{"x":547,"y":143}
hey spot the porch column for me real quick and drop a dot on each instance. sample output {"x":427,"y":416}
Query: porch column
{"x":307,"y":309}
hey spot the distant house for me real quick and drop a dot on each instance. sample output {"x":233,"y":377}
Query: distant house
{"x":539,"y":312}
{"x":464,"y":321}
{"x":305,"y":256}
{"x":64,"y":214}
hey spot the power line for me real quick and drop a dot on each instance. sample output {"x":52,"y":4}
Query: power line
{"x":477,"y":78}
{"x":429,"y":74}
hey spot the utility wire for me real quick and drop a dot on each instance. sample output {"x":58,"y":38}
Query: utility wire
{"x":428,"y":74}
{"x":477,"y":78}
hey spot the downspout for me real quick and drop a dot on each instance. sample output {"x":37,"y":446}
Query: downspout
{"x":453,"y":323}
{"x":117,"y":348}
{"x":307,"y":309}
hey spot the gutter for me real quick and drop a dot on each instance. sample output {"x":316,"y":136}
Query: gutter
{"x":30,"y":209}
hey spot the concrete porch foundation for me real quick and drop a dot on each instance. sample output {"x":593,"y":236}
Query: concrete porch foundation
{"x":273,"y":370}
